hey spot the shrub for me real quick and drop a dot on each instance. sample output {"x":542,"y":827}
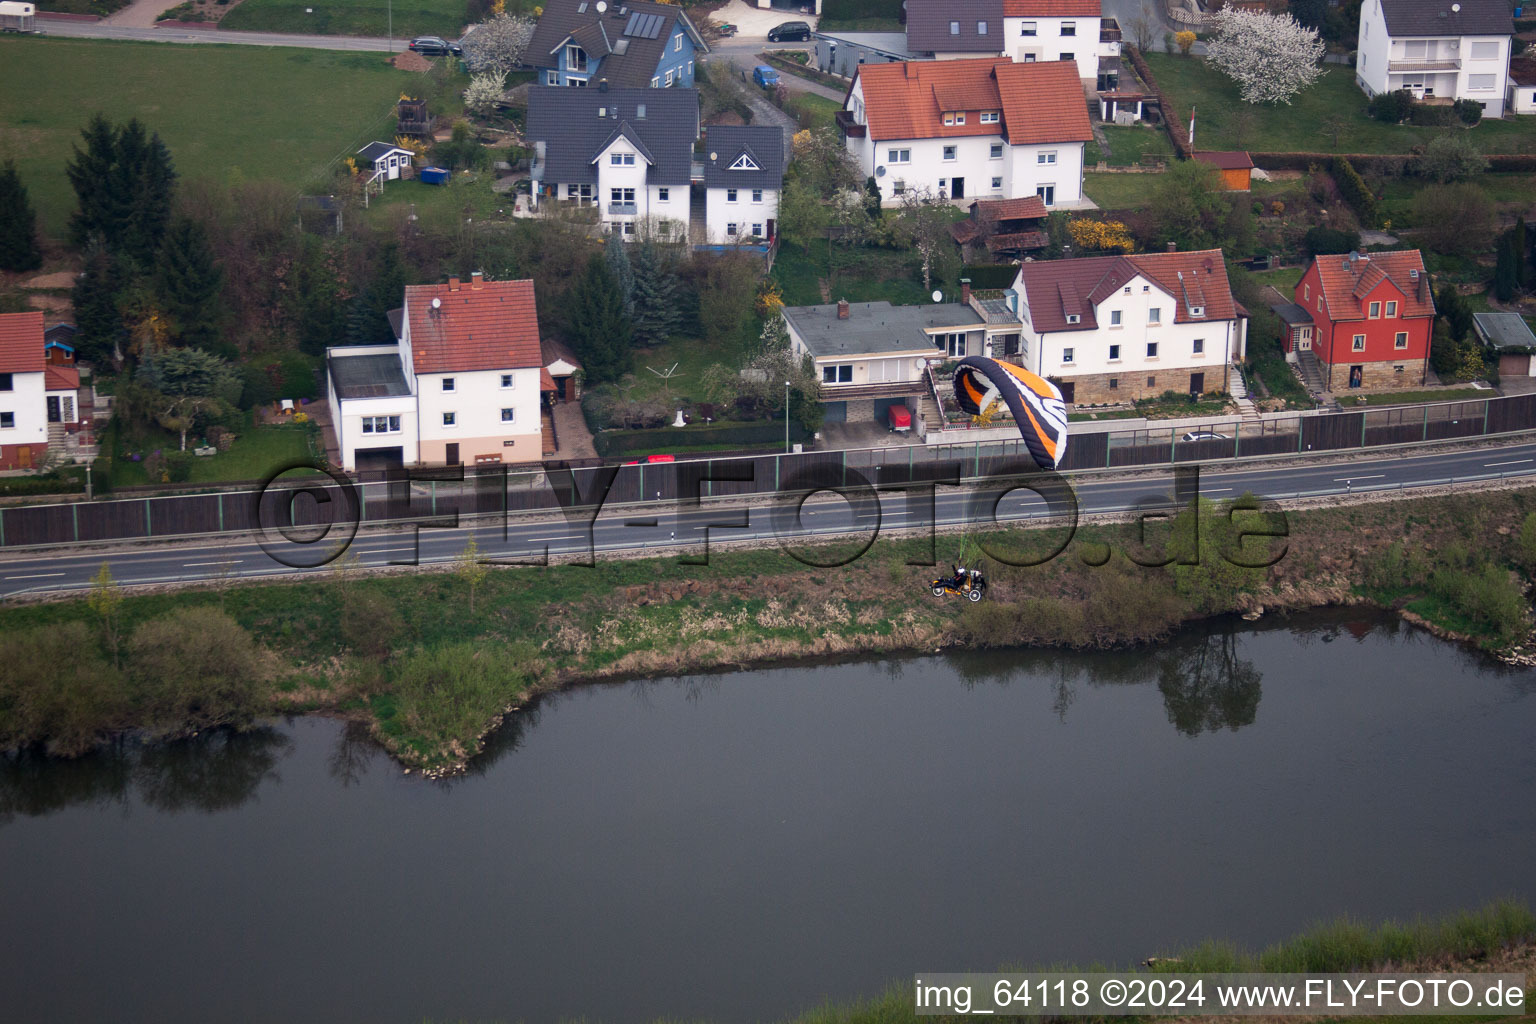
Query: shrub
{"x":370,"y":623}
{"x":1321,"y":241}
{"x":1470,"y":111}
{"x":1450,"y":157}
{"x":1354,"y":191}
{"x":1425,"y":114}
{"x":1391,"y":107}
{"x":445,"y":697}
{"x":184,"y":683}
{"x":57,"y":690}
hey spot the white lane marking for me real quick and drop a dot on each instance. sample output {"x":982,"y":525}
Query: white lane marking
{"x":196,"y":565}
{"x":1514,"y":462}
{"x":1213,"y":490}
{"x":1347,"y":479}
{"x":36,"y":576}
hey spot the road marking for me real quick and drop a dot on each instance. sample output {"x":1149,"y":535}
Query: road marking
{"x":36,"y":576}
{"x":197,"y":565}
{"x":1213,"y":490}
{"x":1347,"y":479}
{"x":1514,"y":462}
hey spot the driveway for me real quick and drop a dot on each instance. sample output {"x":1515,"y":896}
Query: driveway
{"x":1126,"y":12}
{"x":139,"y":14}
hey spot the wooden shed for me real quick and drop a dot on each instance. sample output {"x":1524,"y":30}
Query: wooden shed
{"x":1236,"y":168}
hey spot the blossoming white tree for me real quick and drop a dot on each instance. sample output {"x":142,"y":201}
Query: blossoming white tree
{"x":484,"y":90}
{"x":1270,"y":56}
{"x":498,"y":44}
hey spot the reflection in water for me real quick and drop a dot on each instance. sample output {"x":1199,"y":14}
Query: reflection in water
{"x":214,"y":771}
{"x":1206,"y":686}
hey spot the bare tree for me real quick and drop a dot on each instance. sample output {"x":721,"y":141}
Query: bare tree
{"x":1143,"y":27}
{"x":926,"y":219}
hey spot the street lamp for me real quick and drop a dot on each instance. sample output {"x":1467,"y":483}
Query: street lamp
{"x":786,"y":417}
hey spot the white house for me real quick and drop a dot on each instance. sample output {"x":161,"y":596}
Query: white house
{"x":743,"y":175}
{"x":1025,"y":31}
{"x":1443,"y":49}
{"x":626,"y":152}
{"x":384,"y":161}
{"x":462,"y":384}
{"x":1522,"y":86}
{"x":23,"y":406}
{"x":1110,"y":329}
{"x":984,"y":128}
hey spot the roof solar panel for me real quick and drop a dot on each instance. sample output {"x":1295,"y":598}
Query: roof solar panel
{"x":654,"y":29}
{"x":631,"y":27}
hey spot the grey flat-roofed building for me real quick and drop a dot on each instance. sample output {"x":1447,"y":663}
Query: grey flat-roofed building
{"x":842,"y":53}
{"x":875,"y":327}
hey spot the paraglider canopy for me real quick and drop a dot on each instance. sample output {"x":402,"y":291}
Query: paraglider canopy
{"x":1036,"y":404}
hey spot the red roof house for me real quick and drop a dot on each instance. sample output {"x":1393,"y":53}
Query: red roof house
{"x":1373,"y":315}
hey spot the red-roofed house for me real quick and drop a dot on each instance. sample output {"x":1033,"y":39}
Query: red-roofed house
{"x":1373,"y":316}
{"x":23,"y":410}
{"x":462,"y":385}
{"x":1110,"y":329}
{"x":983,"y":128}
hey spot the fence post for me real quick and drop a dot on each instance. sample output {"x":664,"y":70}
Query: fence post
{"x":1486,"y":403}
{"x":362,"y":502}
{"x":149,"y":520}
{"x":1426,"y":424}
{"x":221,"y":513}
{"x":976,"y":464}
{"x":776,"y":460}
{"x":434,"y":498}
{"x":1107,"y":435}
{"x":1237,"y":441}
{"x":74,"y":511}
{"x":1173,"y":444}
{"x":843,"y":457}
{"x":1363,"y":415}
{"x":1301,"y":430}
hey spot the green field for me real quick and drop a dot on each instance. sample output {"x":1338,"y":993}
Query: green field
{"x":255,"y":453}
{"x":354,"y":17}
{"x":1128,"y":145}
{"x":226,"y":112}
{"x":860,"y":16}
{"x":1120,"y":191}
{"x":1189,"y":81}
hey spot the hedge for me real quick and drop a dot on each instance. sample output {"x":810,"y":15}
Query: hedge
{"x":1498,"y":163}
{"x":1171,"y":119}
{"x":990,"y":275}
{"x":761,"y":432}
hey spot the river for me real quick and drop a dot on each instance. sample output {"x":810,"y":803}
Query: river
{"x":740,"y":847}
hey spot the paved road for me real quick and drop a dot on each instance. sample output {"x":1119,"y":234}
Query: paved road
{"x":635,"y":528}
{"x":104,"y":30}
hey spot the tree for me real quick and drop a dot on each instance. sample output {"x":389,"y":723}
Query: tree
{"x":1142,"y":28}
{"x":498,"y":45}
{"x":1453,"y":310}
{"x":189,"y":284}
{"x":926,"y":221}
{"x":484,"y":91}
{"x":1100,"y":236}
{"x":95,"y":217}
{"x":801,"y":215}
{"x":124,"y":183}
{"x":1455,"y":219}
{"x":1191,"y":207}
{"x":823,"y":163}
{"x":601,"y":331}
{"x":197,"y":668}
{"x":726,"y":294}
{"x":1333,"y":127}
{"x":106,"y":601}
{"x":1522,"y":248}
{"x":368,"y":320}
{"x":1240,"y":124}
{"x":1310,"y":13}
{"x":1450,"y":157}
{"x":1354,"y":191}
{"x":1270,"y":56}
{"x":98,"y":313}
{"x":469,"y":567}
{"x":18,"y":224}
{"x":1506,"y":273}
{"x":872,"y":199}
{"x":617,"y":255}
{"x":186,"y":384}
{"x":657,"y":309}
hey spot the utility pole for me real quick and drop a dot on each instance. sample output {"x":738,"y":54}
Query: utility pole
{"x":786,"y":417}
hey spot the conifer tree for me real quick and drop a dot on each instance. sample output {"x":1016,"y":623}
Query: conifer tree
{"x":615,"y":252}
{"x":656,"y":309}
{"x":189,"y":285}
{"x":368,"y":321}
{"x":1506,"y":271}
{"x":97,"y":301}
{"x":18,"y":224}
{"x":89,"y":171}
{"x":598,"y":327}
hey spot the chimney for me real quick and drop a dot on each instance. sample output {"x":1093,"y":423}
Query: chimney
{"x":476,"y":279}
{"x":965,"y":291}
{"x":453,"y":284}
{"x":911,"y":69}
{"x":1173,"y":246}
{"x":842,"y":309}
{"x":602,"y":85}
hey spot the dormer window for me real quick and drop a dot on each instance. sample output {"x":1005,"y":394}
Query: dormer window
{"x":989,"y":117}
{"x":981,"y":28}
{"x":746,"y":163}
{"x":621,"y":159}
{"x":954,"y":28}
{"x":953,"y":119}
{"x":1197,"y":311}
{"x":1074,"y":318}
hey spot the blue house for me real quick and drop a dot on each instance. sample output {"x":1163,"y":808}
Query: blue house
{"x":631,"y":45}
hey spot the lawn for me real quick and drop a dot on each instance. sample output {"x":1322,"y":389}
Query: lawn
{"x":1512,"y":191}
{"x":1190,"y":82}
{"x":255,"y":453}
{"x":1417,"y":397}
{"x":1128,"y":145}
{"x":1120,"y":191}
{"x":356,"y":17}
{"x":691,"y":357}
{"x":863,"y":275}
{"x":225,"y":111}
{"x":1284,"y":280}
{"x":811,"y":110}
{"x":860,"y":16}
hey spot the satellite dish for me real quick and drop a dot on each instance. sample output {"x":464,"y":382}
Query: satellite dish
{"x":601,"y":6}
{"x":880,"y":171}
{"x":713,"y":157}
{"x":437,"y":303}
{"x":920,"y":364}
{"x":1455,"y":8}
{"x":938,"y":296}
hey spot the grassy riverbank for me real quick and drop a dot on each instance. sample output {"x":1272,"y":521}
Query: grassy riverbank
{"x":1500,"y":937}
{"x":431,"y":660}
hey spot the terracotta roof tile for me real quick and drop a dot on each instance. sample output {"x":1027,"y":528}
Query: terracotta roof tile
{"x":1049,"y":286}
{"x":1019,"y":240}
{"x":492,"y":327}
{"x":61,"y":378}
{"x":21,"y":342}
{"x":1040,"y":103}
{"x":1346,"y":285}
{"x":1051,"y":8}
{"x":1026,"y":208}
{"x":546,"y":380}
{"x":1235,"y":160}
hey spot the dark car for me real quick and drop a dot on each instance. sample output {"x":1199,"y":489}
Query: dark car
{"x":790,"y":32}
{"x":435,"y":46}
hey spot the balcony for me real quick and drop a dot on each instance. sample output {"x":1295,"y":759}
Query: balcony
{"x":1424,"y":64}
{"x":622,"y":209}
{"x":1109,"y":30}
{"x":850,"y":128}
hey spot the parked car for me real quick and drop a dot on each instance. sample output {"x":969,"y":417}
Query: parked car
{"x":727,"y":29}
{"x":1203,"y":435}
{"x":790,"y":32}
{"x":765,"y":77}
{"x":435,"y":46}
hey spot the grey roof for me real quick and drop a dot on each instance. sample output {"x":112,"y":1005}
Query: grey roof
{"x":368,"y":376}
{"x":763,"y":145}
{"x":891,"y":43}
{"x":566,"y":121}
{"x":396,"y":319}
{"x":1505,"y":330}
{"x":629,"y":37}
{"x":374,"y":150}
{"x":929,"y":24}
{"x":1291,"y":313}
{"x":1435,"y":17}
{"x":875,"y":327}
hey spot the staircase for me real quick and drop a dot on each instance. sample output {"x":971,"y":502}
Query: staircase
{"x":1239,"y":392}
{"x":1312,"y":379}
{"x":547,"y":423}
{"x":928,"y":409}
{"x":698,"y":229}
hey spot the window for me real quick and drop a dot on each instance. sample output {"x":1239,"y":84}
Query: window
{"x":1197,"y":311}
{"x":1151,"y":382}
{"x":629,"y":227}
{"x":989,"y":117}
{"x":1397,"y":368}
{"x":730,"y":195}
{"x":1065,"y":56}
{"x":1030,"y":58}
{"x":450,"y":419}
{"x":730,"y":229}
{"x":552,"y":78}
{"x":508,"y":415}
{"x":655,"y":83}
{"x":981,"y":28}
{"x":623,"y":196}
{"x":1480,"y":82}
{"x":1046,"y":157}
{"x":1199,"y":348}
{"x":757,"y":230}
{"x":1069,"y":28}
{"x":1126,"y":290}
{"x":7,"y":420}
{"x":949,"y":152}
{"x":952,"y":119}
{"x":1114,"y":318}
{"x":7,"y":382}
{"x":757,"y":195}
{"x":996,"y":151}
{"x":954,"y":28}
{"x":575,"y":58}
{"x":837,"y":374}
{"x":1074,"y":318}
{"x":1485,"y":51}
{"x":621,"y":159}
{"x":1145,"y":288}
{"x":899,"y":187}
{"x":1027,"y":29}
{"x":1066,"y":353}
{"x":577,"y":83}
{"x":1151,"y":350}
{"x":1359,"y":343}
{"x":671,"y":76}
{"x":997,"y":183}
{"x":1306,"y":292}
{"x":1114,"y":353}
{"x":663,"y":195}
{"x":506,"y":380}
{"x":381,"y":424}
{"x":1375,"y":313}
{"x":448,"y":384}
{"x":1114,"y":383}
{"x":899,"y":156}
{"x":640,"y":111}
{"x":1391,"y":309}
{"x":1155,"y":315}
{"x":677,"y":43}
{"x":1416,"y":48}
{"x":1401,"y":341}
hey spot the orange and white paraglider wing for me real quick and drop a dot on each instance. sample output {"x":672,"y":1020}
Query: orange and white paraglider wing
{"x":1035,"y":402}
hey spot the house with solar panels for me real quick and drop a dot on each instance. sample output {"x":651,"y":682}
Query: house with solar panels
{"x":639,"y":44}
{"x":464,"y":383}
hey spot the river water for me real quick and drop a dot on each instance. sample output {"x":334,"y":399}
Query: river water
{"x":742,"y":846}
